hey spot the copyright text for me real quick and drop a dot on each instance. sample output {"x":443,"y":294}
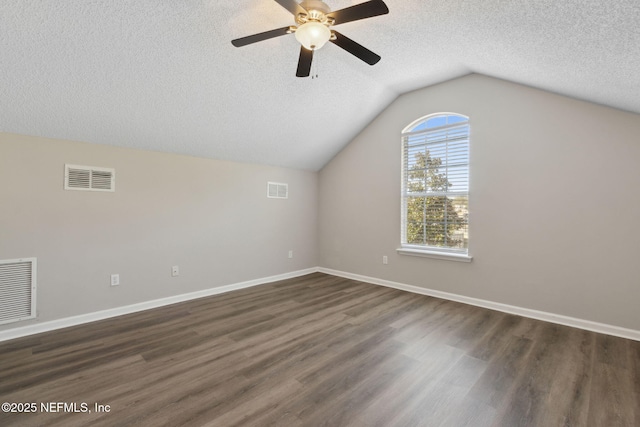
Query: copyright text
{"x":67,"y":407}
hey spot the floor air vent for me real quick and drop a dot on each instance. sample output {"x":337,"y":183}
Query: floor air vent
{"x":277,"y":190}
{"x":89,"y":178}
{"x":17,"y":289}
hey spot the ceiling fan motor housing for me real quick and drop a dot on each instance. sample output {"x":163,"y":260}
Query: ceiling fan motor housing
{"x":316,"y":11}
{"x":318,"y":5}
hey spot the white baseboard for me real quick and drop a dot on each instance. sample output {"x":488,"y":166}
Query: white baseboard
{"x":119,"y":311}
{"x":520,"y":311}
{"x":588,"y":325}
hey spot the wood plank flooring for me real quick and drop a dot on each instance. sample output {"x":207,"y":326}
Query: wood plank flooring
{"x":322,"y":351}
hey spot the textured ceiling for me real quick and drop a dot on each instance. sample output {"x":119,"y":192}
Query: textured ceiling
{"x":163,"y":75}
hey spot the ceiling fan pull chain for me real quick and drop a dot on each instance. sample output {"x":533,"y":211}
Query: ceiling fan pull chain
{"x":314,"y":65}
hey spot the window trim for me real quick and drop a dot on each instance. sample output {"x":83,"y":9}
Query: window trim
{"x":449,"y":254}
{"x":436,"y":254}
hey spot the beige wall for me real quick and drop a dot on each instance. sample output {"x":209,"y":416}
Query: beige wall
{"x":554,"y":202}
{"x":212,"y":218}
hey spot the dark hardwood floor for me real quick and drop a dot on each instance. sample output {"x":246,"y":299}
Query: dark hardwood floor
{"x":322,"y":351}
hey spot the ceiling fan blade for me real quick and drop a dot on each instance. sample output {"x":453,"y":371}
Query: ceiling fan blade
{"x":243,"y":41}
{"x":292,"y":6}
{"x":355,"y":49}
{"x":364,"y":10}
{"x":304,"y":63}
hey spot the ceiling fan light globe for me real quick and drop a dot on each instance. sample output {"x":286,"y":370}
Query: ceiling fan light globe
{"x":313,"y":35}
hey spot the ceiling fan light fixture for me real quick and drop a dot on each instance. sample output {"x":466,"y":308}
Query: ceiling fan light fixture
{"x":313,"y":35}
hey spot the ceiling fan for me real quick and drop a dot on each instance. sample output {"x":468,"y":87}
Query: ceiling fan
{"x":315,"y":19}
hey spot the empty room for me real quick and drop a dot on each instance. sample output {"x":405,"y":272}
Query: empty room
{"x":320,"y":213}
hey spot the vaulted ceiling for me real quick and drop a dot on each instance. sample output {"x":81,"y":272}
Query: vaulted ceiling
{"x":163,"y":75}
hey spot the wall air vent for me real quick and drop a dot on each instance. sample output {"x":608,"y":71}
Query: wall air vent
{"x":17,"y":289}
{"x":277,"y":190}
{"x":89,"y":178}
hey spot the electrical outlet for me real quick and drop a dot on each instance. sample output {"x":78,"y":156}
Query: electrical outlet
{"x":385,"y":260}
{"x":290,"y":254}
{"x":175,"y":271}
{"x":115,"y":279}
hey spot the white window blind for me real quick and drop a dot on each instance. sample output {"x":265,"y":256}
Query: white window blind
{"x":435,"y":184}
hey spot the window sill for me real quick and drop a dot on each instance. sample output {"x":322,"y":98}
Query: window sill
{"x":435,"y":254}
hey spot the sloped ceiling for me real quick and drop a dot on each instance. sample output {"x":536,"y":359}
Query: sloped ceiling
{"x":163,"y":75}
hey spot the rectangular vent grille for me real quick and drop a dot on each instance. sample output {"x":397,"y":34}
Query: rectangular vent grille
{"x":277,"y":190}
{"x":17,"y":290}
{"x":89,"y":178}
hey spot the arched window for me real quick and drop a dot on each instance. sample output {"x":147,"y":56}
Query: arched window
{"x":435,"y":185}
